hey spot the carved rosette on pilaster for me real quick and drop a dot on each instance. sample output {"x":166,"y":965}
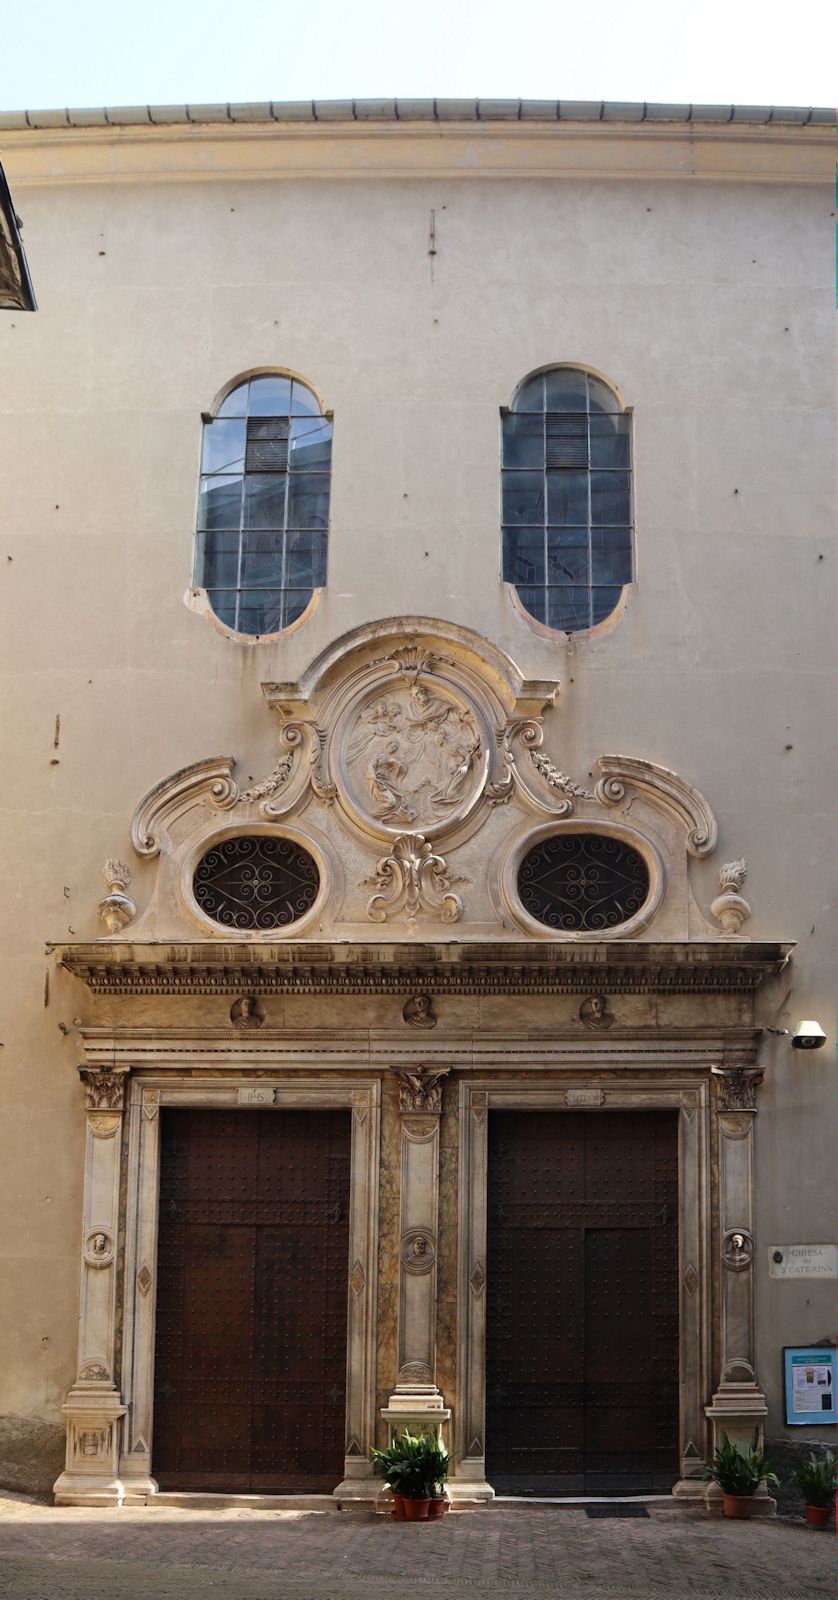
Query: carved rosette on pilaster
{"x":416,"y":1401}
{"x":738,"y":1407}
{"x":93,"y":1407}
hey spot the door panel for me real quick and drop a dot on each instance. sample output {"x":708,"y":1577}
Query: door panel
{"x":582,"y":1326}
{"x":250,"y":1368}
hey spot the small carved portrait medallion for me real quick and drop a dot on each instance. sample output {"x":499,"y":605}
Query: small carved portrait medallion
{"x":418,"y":1251}
{"x":737,"y":1249}
{"x":246,"y":1012}
{"x":594,"y":1012}
{"x":418,"y":1012}
{"x":98,"y":1248}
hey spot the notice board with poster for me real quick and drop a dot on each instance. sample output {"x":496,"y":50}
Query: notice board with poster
{"x":810,"y":1374}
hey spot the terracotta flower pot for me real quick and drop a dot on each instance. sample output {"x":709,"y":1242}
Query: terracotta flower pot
{"x":738,"y":1505}
{"x":416,"y":1510}
{"x":819,"y":1516}
{"x":437,"y":1507}
{"x":398,"y":1507}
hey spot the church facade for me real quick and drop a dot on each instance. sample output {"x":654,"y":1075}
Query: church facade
{"x":424,"y":1059}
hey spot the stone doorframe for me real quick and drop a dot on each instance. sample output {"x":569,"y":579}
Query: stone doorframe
{"x":126,"y":1478}
{"x":691,"y":1099}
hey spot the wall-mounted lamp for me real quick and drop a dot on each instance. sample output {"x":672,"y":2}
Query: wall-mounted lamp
{"x":808,"y":1035}
{"x":16,"y":292}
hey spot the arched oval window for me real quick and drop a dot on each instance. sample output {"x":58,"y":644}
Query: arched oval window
{"x":566,"y":498}
{"x":263,"y":509}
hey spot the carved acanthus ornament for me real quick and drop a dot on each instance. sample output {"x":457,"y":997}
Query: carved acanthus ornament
{"x":413,"y":881}
{"x":729,"y":908}
{"x":529,"y":734}
{"x":103,"y":1087}
{"x":737,"y":1087}
{"x":117,"y":909}
{"x":274,"y":781}
{"x":420,"y":1089}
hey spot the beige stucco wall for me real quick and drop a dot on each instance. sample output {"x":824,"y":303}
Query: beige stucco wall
{"x":708,"y":302}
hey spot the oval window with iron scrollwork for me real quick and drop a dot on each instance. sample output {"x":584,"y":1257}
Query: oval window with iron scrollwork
{"x":582,"y":882}
{"x":256,"y":883}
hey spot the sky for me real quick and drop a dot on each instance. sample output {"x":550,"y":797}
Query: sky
{"x":90,"y":53}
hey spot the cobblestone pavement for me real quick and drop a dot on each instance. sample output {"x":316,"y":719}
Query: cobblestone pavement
{"x":534,"y":1552}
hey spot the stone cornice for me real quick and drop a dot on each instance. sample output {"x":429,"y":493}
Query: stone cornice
{"x":217,"y":1049}
{"x":223,"y":150}
{"x":526,"y":967}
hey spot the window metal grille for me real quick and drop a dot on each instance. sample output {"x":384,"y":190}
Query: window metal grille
{"x":566,"y":499}
{"x":256,"y":883}
{"x":582,"y":882}
{"x":263,"y":513}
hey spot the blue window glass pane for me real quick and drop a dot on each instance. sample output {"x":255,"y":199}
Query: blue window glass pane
{"x":260,"y":611}
{"x":568,"y":608}
{"x":523,"y":555}
{"x":611,"y":555}
{"x":523,"y":440}
{"x":296,"y":601}
{"x":308,"y":501}
{"x":224,"y":603}
{"x":235,"y":403}
{"x":219,"y":503}
{"x":310,"y":444}
{"x":523,"y":497}
{"x":305,"y":560}
{"x":565,"y":390}
{"x":264,"y":500}
{"x":531,"y":397}
{"x":567,"y":556}
{"x":217,"y":566}
{"x":567,"y":498}
{"x":610,"y":500}
{"x":604,"y":601}
{"x":269,"y":397}
{"x":535,"y":602}
{"x":262,"y":555}
{"x":303,"y":402}
{"x":601,"y":397}
{"x":611,"y":441}
{"x":223,"y":446}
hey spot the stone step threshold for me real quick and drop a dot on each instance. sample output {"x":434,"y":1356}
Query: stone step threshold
{"x":192,"y":1500}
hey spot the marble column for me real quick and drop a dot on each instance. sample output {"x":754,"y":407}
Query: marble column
{"x":93,"y":1407}
{"x":416,"y":1402}
{"x":738,"y":1406}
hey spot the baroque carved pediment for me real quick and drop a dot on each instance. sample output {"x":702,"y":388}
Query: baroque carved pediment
{"x":415,"y":767}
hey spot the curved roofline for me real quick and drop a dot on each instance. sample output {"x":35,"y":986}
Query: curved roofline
{"x":410,"y":110}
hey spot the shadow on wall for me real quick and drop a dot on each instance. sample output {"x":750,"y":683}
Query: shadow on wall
{"x":31,"y":1454}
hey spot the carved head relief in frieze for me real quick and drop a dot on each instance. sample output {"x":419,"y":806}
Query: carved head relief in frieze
{"x":412,"y":755}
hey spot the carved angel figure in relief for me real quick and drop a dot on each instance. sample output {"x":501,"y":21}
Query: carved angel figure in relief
{"x":416,"y":751}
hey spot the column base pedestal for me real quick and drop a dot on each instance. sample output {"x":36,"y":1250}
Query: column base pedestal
{"x":417,"y":1406}
{"x":91,"y":1474}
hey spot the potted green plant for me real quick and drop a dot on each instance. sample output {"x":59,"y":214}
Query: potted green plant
{"x":739,"y":1471}
{"x":414,"y":1467}
{"x":815,"y":1479}
{"x":437,"y":1461}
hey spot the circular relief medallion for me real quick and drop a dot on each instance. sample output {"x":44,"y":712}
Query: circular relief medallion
{"x":412,"y":756}
{"x":582,"y":882}
{"x":256,"y":883}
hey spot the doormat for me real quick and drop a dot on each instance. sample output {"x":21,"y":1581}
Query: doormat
{"x":616,"y":1511}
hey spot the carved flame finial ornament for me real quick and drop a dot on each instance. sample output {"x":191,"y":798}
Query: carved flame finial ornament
{"x":117,"y":909}
{"x":729,"y":908}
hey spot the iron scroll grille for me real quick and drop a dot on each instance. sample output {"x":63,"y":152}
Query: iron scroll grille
{"x":582,"y":882}
{"x":256,"y":883}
